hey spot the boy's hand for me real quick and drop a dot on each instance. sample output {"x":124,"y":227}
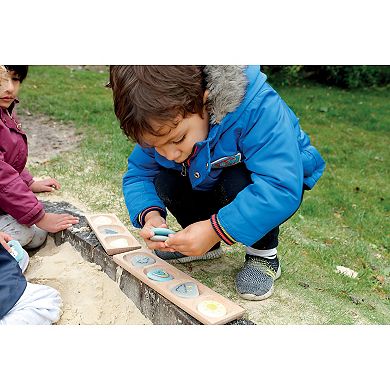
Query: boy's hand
{"x":194,"y":240}
{"x":47,"y":185}
{"x":4,"y":238}
{"x":153,"y":219}
{"x":54,"y":223}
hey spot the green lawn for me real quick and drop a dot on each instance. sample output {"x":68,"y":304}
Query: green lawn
{"x":343,"y":221}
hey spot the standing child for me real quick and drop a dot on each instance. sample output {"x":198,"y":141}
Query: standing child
{"x":21,"y":214}
{"x":223,"y":152}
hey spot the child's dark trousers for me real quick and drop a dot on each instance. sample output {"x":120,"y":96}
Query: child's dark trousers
{"x":189,"y":206}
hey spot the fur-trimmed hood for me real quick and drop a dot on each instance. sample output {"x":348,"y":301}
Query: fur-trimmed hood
{"x":227,"y":85}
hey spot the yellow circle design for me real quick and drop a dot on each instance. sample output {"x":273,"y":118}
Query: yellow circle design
{"x":212,"y":308}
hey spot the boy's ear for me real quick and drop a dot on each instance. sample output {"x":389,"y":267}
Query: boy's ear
{"x":205,"y":96}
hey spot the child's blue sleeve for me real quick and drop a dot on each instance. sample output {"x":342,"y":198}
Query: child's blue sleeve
{"x":272,"y":155}
{"x":138,"y":184}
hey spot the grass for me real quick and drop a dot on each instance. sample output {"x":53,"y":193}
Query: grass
{"x":344,"y":220}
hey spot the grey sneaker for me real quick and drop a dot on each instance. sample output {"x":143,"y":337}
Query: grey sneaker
{"x":255,"y":281}
{"x":177,"y":257}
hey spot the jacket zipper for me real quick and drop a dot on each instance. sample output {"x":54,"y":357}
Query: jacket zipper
{"x":185,"y":164}
{"x":184,"y":169}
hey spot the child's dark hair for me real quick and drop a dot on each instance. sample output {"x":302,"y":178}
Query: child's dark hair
{"x":20,"y":70}
{"x":155,"y":92}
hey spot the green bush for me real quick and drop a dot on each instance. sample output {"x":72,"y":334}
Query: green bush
{"x":344,"y":76}
{"x":284,"y":75}
{"x":354,"y":76}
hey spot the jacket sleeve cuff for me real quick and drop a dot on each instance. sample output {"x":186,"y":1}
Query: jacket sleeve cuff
{"x":221,"y":232}
{"x":36,"y":218}
{"x":142,"y":215}
{"x":27,"y":177}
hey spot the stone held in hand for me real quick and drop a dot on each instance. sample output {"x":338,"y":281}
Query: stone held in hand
{"x":161,"y":234}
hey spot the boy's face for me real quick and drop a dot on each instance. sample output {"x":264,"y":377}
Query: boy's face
{"x":9,"y":89}
{"x":177,"y":140}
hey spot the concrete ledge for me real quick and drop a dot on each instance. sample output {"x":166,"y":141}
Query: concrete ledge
{"x":152,"y":305}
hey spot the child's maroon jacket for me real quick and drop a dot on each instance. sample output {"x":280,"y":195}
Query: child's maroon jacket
{"x":16,"y":198}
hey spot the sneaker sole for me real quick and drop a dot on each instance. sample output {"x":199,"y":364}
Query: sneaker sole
{"x":215,"y":254}
{"x":253,"y":297}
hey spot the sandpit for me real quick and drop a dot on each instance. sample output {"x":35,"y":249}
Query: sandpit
{"x":89,"y":296}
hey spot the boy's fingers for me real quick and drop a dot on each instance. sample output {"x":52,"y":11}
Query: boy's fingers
{"x":172,"y":240}
{"x":178,"y":248}
{"x":160,"y":245}
{"x":155,"y":245}
{"x":146,"y":233}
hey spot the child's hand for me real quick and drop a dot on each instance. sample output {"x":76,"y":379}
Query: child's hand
{"x":46,"y":185}
{"x":194,"y":240}
{"x":54,"y":223}
{"x":4,"y":238}
{"x":153,"y":219}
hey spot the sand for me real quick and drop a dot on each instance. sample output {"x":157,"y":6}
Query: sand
{"x":90,"y":297}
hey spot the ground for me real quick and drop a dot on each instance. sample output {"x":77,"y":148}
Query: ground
{"x":46,"y":138}
{"x":289,"y":303}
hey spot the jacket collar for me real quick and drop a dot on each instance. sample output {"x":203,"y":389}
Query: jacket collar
{"x":227,"y":86}
{"x":5,"y":113}
{"x":12,"y":106}
{"x":10,"y":119}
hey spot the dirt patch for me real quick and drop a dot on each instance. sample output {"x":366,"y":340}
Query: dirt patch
{"x":47,"y":138}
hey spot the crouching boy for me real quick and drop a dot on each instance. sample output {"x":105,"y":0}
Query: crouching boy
{"x":220,"y":149}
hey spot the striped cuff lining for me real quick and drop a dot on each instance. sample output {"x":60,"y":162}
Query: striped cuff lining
{"x":141,"y":216}
{"x":222,"y":234}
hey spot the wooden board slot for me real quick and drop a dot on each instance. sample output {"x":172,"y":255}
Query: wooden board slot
{"x":112,"y":233}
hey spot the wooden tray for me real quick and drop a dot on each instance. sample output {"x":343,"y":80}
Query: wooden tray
{"x":112,"y":233}
{"x":181,"y":288}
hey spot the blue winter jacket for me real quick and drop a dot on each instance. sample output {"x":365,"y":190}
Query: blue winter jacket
{"x":264,"y":134}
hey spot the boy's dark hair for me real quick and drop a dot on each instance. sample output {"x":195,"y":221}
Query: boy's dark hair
{"x":155,"y":92}
{"x":20,"y":70}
